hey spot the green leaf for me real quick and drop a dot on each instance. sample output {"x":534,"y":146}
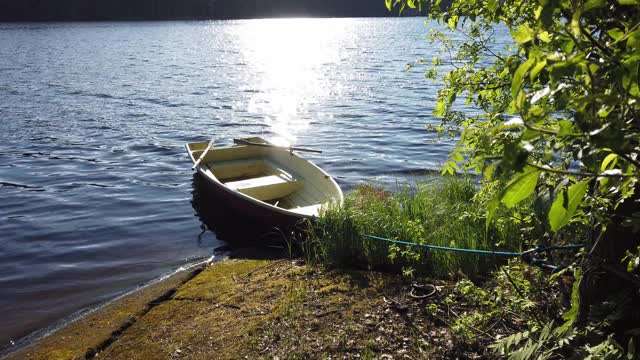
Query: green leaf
{"x":523,"y":34}
{"x":388,"y":3}
{"x":566,"y":128}
{"x":537,"y":68}
{"x":544,"y":36}
{"x":571,"y":315}
{"x":516,"y":83}
{"x":530,"y":134}
{"x":605,"y":111}
{"x":616,"y":34}
{"x":440,"y":109}
{"x":493,"y":5}
{"x":594,"y":4}
{"x":537,"y":12}
{"x":633,"y":40}
{"x":566,"y":204}
{"x":634,"y":90}
{"x":611,"y":159}
{"x":567,"y":46}
{"x":448,"y":170}
{"x":575,"y":23}
{"x":489,"y":170}
{"x":520,"y":187}
{"x":629,"y":2}
{"x":491,"y":210}
{"x":536,"y":111}
{"x":453,"y":22}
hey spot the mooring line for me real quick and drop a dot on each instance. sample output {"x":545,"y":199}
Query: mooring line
{"x":474,"y":251}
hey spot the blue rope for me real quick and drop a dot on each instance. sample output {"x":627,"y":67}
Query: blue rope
{"x":472,"y":251}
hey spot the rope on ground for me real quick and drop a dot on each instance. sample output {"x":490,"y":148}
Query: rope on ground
{"x":474,"y":251}
{"x":445,"y":248}
{"x":422,"y":288}
{"x":526,"y":256}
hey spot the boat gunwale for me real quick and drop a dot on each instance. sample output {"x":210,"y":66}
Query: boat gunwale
{"x":208,"y":174}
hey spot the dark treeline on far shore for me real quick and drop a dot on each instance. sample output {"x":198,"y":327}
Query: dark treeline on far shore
{"x":90,"y":10}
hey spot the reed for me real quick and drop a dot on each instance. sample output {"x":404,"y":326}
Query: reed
{"x":445,"y":212}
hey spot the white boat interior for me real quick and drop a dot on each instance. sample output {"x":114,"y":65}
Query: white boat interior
{"x":273,"y":176}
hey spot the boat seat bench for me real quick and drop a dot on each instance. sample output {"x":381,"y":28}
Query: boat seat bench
{"x":260,"y":179}
{"x":267,"y":187}
{"x":245,"y":168}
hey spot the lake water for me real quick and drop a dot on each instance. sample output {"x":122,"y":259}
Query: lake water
{"x":95,"y":185}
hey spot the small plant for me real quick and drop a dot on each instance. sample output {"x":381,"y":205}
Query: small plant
{"x":432,"y":309}
{"x":468,"y":292}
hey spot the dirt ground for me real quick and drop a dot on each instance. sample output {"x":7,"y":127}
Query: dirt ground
{"x":251,"y":309}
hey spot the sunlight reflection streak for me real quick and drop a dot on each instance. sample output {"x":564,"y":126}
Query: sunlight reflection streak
{"x":287,"y":57}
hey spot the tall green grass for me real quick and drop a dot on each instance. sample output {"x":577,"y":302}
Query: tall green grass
{"x":445,"y":213}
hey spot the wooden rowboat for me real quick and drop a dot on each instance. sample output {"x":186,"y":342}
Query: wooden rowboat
{"x":267,"y":183}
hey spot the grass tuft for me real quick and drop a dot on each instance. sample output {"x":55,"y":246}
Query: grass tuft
{"x":448,"y":212}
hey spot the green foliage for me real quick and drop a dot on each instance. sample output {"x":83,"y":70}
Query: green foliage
{"x":558,"y":109}
{"x":521,"y":187}
{"x":547,"y":342}
{"x":566,"y":203}
{"x":608,"y":349}
{"x":537,"y":343}
{"x":512,"y":296}
{"x":633,"y":260}
{"x":468,"y":291}
{"x":557,"y":119}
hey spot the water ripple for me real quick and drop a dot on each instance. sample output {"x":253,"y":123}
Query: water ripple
{"x":95,"y":185}
{"x":21,"y":186}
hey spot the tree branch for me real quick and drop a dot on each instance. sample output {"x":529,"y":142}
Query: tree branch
{"x":630,"y":160}
{"x":577,"y":173}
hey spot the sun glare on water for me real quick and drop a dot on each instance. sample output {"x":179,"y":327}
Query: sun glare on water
{"x":291,"y":59}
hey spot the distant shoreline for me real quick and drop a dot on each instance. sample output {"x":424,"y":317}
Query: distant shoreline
{"x":195,"y":19}
{"x":169,"y":10}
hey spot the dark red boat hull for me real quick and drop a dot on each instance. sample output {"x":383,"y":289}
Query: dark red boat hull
{"x":224,"y":200}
